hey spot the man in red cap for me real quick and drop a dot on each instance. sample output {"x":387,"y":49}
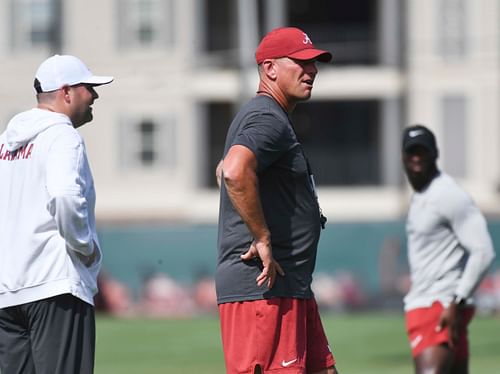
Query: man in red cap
{"x":270,"y":222}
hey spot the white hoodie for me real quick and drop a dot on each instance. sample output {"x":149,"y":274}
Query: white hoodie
{"x":47,"y":201}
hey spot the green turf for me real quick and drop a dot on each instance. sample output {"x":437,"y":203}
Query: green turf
{"x":144,"y":346}
{"x":362,"y":343}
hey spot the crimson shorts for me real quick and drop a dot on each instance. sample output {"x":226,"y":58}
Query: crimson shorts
{"x":421,"y":328}
{"x":282,"y":335}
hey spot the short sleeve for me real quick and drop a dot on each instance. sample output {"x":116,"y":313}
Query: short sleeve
{"x":268,"y":137}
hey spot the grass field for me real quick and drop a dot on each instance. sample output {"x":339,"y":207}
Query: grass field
{"x":362,"y":343}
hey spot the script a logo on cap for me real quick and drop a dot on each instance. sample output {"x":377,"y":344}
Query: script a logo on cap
{"x":414,"y":133}
{"x":307,"y":40}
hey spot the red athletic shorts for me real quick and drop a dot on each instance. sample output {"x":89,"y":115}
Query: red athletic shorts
{"x":282,"y":335}
{"x":421,"y":327}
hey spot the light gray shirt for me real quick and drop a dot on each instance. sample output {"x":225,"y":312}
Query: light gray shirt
{"x":449,"y":246}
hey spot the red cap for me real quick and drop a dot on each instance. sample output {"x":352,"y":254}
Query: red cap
{"x":289,"y":42}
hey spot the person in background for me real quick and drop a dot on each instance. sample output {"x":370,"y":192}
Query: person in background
{"x":49,"y":250}
{"x":270,"y":222}
{"x":449,"y":252}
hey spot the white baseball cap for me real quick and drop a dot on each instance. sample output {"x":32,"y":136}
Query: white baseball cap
{"x":61,"y":70}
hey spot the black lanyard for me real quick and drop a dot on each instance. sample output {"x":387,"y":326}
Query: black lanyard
{"x":322,"y":217}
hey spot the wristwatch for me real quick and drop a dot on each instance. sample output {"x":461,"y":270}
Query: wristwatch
{"x":459,"y":300}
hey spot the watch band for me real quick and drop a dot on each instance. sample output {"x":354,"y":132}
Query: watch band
{"x":459,"y":300}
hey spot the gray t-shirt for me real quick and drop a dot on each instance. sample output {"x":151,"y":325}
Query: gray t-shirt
{"x":288,"y":201}
{"x":449,"y":246}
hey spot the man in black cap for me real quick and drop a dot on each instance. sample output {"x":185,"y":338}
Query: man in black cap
{"x":449,"y":252}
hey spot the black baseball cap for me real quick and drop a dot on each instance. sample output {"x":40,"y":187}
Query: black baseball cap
{"x":419,"y":135}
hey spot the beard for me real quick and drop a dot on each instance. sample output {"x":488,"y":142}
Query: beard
{"x":83,"y":118}
{"x":418,"y":180}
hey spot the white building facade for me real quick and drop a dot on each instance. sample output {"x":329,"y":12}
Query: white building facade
{"x":183,"y":67}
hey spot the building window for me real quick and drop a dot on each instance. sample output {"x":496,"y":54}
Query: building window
{"x":218,"y":116}
{"x":341,"y":140}
{"x":147,"y":130}
{"x":219,"y":32}
{"x":452,"y":29}
{"x":348,"y":28}
{"x":454,"y":114}
{"x":36,"y":24}
{"x":146,"y":23}
{"x":148,"y":143}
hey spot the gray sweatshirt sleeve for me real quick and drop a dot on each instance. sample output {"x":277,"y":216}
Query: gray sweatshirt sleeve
{"x":469,"y":225}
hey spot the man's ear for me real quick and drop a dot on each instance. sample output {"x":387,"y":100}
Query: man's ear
{"x":269,"y":68}
{"x":65,"y":92}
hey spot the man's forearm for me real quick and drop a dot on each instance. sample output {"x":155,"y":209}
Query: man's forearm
{"x":475,"y":270}
{"x":244,"y":195}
